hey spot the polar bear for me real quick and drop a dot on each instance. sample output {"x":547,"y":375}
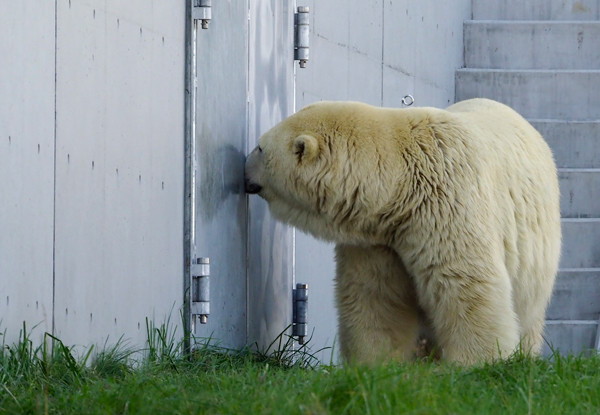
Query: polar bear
{"x":446,"y":222}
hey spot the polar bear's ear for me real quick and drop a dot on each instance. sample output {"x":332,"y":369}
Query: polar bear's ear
{"x":306,"y":147}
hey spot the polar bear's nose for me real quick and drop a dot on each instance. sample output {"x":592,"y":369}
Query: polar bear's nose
{"x":252,"y":188}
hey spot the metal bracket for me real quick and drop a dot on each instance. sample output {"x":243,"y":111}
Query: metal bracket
{"x":301,"y":38}
{"x":201,"y":10}
{"x":200,"y":304}
{"x":408,"y":100}
{"x":300,"y":311}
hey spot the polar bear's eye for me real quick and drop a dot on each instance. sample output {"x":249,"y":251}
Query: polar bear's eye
{"x":259,"y":149}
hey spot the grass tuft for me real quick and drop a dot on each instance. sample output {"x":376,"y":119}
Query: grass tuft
{"x":282,"y":352}
{"x":114,"y":362}
{"x":280,"y":379}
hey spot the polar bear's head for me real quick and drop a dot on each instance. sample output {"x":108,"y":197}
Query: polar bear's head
{"x":324,"y":171}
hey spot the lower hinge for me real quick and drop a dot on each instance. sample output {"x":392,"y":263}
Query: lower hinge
{"x":300,"y":311}
{"x":200,"y":288}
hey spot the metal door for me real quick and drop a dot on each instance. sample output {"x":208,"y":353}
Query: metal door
{"x":241,"y":78}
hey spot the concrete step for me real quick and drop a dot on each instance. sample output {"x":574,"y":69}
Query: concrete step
{"x":570,"y":336}
{"x":575,"y":144}
{"x":576,"y":294}
{"x":532,"y":45}
{"x":536,"y":10}
{"x":579,"y":193}
{"x":581,"y":243}
{"x":556,"y":94}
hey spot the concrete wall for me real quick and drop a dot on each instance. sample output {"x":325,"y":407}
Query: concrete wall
{"x":91,"y":158}
{"x":26,"y":165}
{"x":376,"y":52}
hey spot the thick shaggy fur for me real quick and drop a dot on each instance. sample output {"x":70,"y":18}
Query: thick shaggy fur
{"x":446,"y":222}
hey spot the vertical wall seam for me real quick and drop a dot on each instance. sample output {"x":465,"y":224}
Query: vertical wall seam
{"x":247,"y":259}
{"x":188,"y":181}
{"x":292,"y":37}
{"x":382,"y":48}
{"x":54,"y":173}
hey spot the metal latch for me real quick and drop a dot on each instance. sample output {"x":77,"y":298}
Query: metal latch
{"x":200,"y":305}
{"x":201,"y":10}
{"x":300,"y":311}
{"x":301,"y":31}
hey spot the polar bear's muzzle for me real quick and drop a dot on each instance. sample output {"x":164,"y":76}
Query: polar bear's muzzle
{"x":252,"y":188}
{"x":253,"y":171}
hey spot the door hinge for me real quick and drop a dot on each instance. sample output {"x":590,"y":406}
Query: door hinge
{"x":201,"y":10}
{"x":301,"y":39}
{"x":300,"y":311}
{"x":200,"y":304}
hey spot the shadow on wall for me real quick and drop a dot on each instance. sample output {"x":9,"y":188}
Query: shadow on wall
{"x":220,"y":173}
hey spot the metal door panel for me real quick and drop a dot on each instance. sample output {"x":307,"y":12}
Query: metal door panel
{"x":244,"y":71}
{"x":220,"y":146}
{"x":271,"y":99}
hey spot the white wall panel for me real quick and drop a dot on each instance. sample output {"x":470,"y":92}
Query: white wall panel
{"x":26,"y":166}
{"x":119,"y":168}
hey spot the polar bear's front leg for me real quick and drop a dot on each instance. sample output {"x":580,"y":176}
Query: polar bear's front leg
{"x":378,"y":311}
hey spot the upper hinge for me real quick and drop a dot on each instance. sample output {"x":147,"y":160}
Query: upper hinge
{"x":301,"y":31}
{"x":201,"y":10}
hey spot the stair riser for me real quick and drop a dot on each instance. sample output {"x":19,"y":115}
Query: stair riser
{"x":531,"y":45}
{"x":579,"y":194}
{"x":581,"y":244}
{"x":575,"y":296}
{"x":566,"y":95}
{"x":569,"y":338}
{"x":536,"y":9}
{"x":574,"y":144}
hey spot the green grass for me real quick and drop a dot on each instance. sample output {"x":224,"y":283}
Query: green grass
{"x":49,"y":379}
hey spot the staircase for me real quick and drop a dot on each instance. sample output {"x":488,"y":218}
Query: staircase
{"x":542,"y":58}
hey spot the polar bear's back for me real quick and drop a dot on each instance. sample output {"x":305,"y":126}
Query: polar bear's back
{"x":521,"y":170}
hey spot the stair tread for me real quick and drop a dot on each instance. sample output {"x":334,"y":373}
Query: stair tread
{"x":544,"y":71}
{"x":579,"y":169}
{"x":556,"y":120}
{"x":537,"y":22}
{"x":582,"y":270}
